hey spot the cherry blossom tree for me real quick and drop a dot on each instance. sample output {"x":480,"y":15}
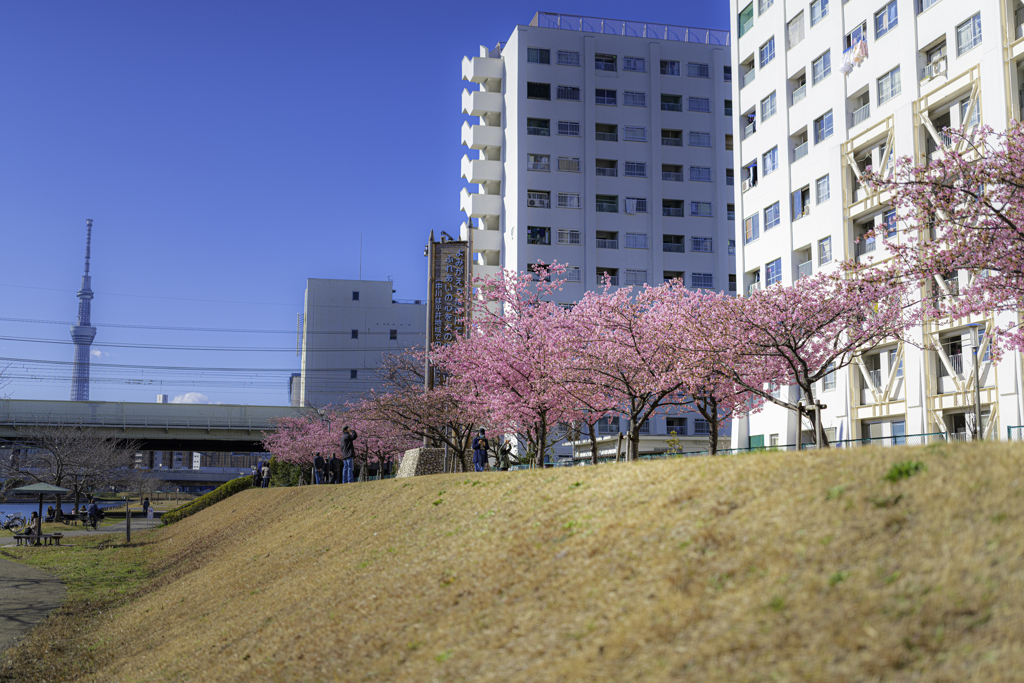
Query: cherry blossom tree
{"x":961,"y":211}
{"x":297,"y":440}
{"x":380,"y":442}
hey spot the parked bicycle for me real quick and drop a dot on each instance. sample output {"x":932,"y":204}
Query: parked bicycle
{"x":15,"y":522}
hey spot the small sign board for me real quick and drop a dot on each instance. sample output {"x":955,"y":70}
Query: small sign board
{"x":449,"y":272}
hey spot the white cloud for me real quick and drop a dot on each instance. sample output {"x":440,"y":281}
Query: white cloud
{"x":96,"y":353}
{"x":191,"y":397}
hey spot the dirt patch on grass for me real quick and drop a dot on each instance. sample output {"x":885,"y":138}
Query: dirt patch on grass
{"x":775,"y":566}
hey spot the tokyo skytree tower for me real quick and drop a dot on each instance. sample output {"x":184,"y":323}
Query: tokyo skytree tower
{"x":83,"y":333}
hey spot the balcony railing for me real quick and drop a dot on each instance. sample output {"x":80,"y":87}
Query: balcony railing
{"x":946,"y":138}
{"x":800,"y":93}
{"x":938,"y":67}
{"x":613,"y":279}
{"x":604,"y":207}
{"x":804,"y":269}
{"x":876,"y":378}
{"x":749,"y":130}
{"x":536,"y":130}
{"x":957,"y":361}
{"x":747,"y":25}
{"x":672,"y":211}
{"x":608,"y":137}
{"x":538,"y":166}
{"x":800,"y":151}
{"x":604,"y":66}
{"x":748,"y":78}
{"x":637,"y":29}
{"x":671,"y":106}
{"x":610,"y":172}
{"x":862,"y":114}
{"x":753,"y":287}
{"x":607,"y":244}
{"x":866,"y":245}
{"x":672,"y":142}
{"x":671,"y":246}
{"x":669,"y":175}
{"x":1018,"y":23}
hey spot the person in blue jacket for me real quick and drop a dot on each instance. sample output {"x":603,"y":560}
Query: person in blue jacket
{"x":480,"y":451}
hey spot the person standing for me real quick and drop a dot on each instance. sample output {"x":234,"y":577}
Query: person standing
{"x":318,"y":468}
{"x":94,"y":512}
{"x":266,"y":475}
{"x":348,"y":454}
{"x":335,"y":469}
{"x":145,"y":506}
{"x":480,"y":451}
{"x":256,"y":475}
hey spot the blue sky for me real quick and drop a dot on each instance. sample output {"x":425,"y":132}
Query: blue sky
{"x":227,"y":151}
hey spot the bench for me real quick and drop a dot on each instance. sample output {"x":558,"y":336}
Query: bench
{"x":29,"y":539}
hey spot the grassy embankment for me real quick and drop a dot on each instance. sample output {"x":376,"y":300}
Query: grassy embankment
{"x":772,"y":566}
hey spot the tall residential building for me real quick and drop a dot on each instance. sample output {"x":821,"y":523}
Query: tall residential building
{"x":603,"y":145}
{"x":83,"y":333}
{"x":823,"y":90}
{"x":348,"y":325}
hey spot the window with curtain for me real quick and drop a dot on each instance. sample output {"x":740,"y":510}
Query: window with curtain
{"x":767,"y":52}
{"x":886,"y":19}
{"x":795,"y":31}
{"x":824,"y":251}
{"x":773,"y":272}
{"x":768,"y":107}
{"x":821,"y":189}
{"x":772,"y":216}
{"x":821,"y":68}
{"x":819,"y":10}
{"x":889,"y":86}
{"x":751,"y":229}
{"x":823,"y":127}
{"x":771,"y":160}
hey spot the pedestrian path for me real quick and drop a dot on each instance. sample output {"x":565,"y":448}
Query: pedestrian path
{"x":27,"y":595}
{"x":138,"y":524}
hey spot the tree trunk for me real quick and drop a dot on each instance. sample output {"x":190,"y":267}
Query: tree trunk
{"x":593,"y":443}
{"x":633,"y":447}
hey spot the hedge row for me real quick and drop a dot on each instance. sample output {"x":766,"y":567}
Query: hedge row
{"x":202,"y":502}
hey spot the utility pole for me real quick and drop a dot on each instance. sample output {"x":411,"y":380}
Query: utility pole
{"x":978,"y":433}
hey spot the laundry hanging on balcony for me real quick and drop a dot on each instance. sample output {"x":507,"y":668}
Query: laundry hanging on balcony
{"x":854,"y":56}
{"x":631,"y":205}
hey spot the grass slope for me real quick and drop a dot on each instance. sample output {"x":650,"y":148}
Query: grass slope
{"x":768,"y":567}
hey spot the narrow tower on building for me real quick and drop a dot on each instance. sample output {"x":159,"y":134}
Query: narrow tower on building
{"x":83,"y":333}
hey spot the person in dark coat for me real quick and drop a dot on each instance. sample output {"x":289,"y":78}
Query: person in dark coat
{"x":145,"y":506}
{"x":94,"y":513}
{"x":348,"y":454}
{"x":334,"y":469}
{"x":480,"y":451}
{"x":318,"y":469}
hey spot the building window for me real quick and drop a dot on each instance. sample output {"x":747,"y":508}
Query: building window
{"x":751,"y":230}
{"x":889,"y":86}
{"x":828,"y":382}
{"x":795,"y":31}
{"x":604,"y":62}
{"x":671,"y":102}
{"x":538,"y":162}
{"x":568,"y":200}
{"x":771,"y":160}
{"x":538,"y":55}
{"x":702,"y":280}
{"x":824,"y":251}
{"x":700,"y":174}
{"x":634,"y":99}
{"x":695,"y":70}
{"x":703,"y":245}
{"x":773,"y":272}
{"x":636,"y":240}
{"x":702,"y":104}
{"x":568,"y":58}
{"x":823,"y":127}
{"x":821,"y":189}
{"x":602,"y":96}
{"x":636,"y":205}
{"x":676,"y":426}
{"x":636,"y":277}
{"x":353,"y":374}
{"x":767,"y":52}
{"x":355,"y":334}
{"x":634,"y":133}
{"x":697,"y":139}
{"x":732,"y":247}
{"x":889,"y":223}
{"x":821,"y":68}
{"x":819,"y":10}
{"x":636,"y":63}
{"x":569,"y":236}
{"x":538,"y":91}
{"x":975,"y":115}
{"x":730,"y":177}
{"x":635,"y":169}
{"x":606,"y":167}
{"x":772,"y":216}
{"x":968,"y":34}
{"x":768,"y":107}
{"x":746,"y":19}
{"x":701,"y":209}
{"x":538,"y":200}
{"x":568,"y":92}
{"x":569,"y":164}
{"x":669,"y":68}
{"x":355,"y":296}
{"x":763,"y":5}
{"x":393,"y":335}
{"x":886,"y":19}
{"x":538,"y":127}
{"x":925,"y":4}
{"x":728,"y":107}
{"x":536,"y":235}
{"x":607,"y":203}
{"x":569,"y":128}
{"x":801,"y":202}
{"x":727,"y":74}
{"x":856,"y":35}
{"x":730,"y":214}
{"x":672,"y":207}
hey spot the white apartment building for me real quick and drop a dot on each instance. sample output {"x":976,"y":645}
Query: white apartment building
{"x":804,"y":130}
{"x":606,"y":146}
{"x":347,"y":326}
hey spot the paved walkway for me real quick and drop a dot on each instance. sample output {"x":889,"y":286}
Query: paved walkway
{"x":138,"y":524}
{"x":26,"y":596}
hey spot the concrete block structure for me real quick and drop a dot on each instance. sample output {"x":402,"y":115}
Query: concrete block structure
{"x":823,"y":90}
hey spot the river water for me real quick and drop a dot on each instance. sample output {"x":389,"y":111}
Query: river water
{"x":27,"y":509}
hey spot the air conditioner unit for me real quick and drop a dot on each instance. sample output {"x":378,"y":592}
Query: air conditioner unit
{"x":748,"y":183}
{"x":936,"y":68}
{"x":533,"y":202}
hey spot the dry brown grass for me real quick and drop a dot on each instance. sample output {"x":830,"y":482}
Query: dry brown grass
{"x":769,"y":567}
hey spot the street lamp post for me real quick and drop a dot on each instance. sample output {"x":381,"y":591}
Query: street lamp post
{"x":978,"y":433}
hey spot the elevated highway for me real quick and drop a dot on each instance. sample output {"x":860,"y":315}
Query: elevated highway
{"x":155,"y":426}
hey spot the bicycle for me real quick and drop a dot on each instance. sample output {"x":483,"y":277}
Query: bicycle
{"x":15,"y":522}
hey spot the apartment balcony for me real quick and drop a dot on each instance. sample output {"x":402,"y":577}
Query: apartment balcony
{"x":481,"y":170}
{"x":800,"y":93}
{"x":804,"y":269}
{"x":876,"y":378}
{"x":747,"y":184}
{"x":607,"y":244}
{"x":676,"y":211}
{"x":754,"y":286}
{"x":800,"y":151}
{"x":479,"y":103}
{"x":862,"y":114}
{"x":866,"y":245}
{"x":677,"y":248}
{"x":481,"y":270}
{"x":749,"y":130}
{"x":607,"y":172}
{"x":480,"y":69}
{"x":748,"y":78}
{"x":938,"y":68}
{"x":957,"y":361}
{"x":668,"y":175}
{"x":479,"y":205}
{"x":672,"y":142}
{"x":483,"y":240}
{"x":480,"y":137}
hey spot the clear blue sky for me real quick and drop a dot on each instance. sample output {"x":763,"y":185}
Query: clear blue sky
{"x":227,"y":151}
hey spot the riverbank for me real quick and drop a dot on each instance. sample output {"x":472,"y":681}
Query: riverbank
{"x":835,"y":565}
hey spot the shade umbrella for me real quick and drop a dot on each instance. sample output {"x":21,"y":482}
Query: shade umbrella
{"x":42,"y":490}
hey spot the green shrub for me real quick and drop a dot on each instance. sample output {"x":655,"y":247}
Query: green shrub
{"x":904,"y":470}
{"x":202,"y":502}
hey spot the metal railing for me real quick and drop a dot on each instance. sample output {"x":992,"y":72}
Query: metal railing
{"x":609,"y":172}
{"x":862,"y":114}
{"x":604,"y":66}
{"x":876,"y":378}
{"x":749,"y":130}
{"x":671,"y":106}
{"x":537,"y":130}
{"x":957,"y":361}
{"x":669,"y":175}
{"x":607,"y":137}
{"x":747,"y":25}
{"x":637,"y":29}
{"x":672,"y":211}
{"x":607,"y":244}
{"x":800,"y":93}
{"x":677,"y":248}
{"x":1015,"y":433}
{"x":748,"y":78}
{"x":805,"y":269}
{"x":672,"y":142}
{"x":866,"y":245}
{"x":538,"y":166}
{"x":800,"y":151}
{"x":753,"y":287}
{"x":603,"y":207}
